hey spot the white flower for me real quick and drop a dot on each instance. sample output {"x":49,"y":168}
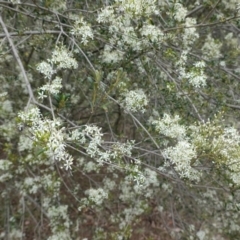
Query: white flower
{"x":94,"y":133}
{"x":25,"y":143}
{"x":46,"y":69}
{"x":151,"y":178}
{"x":32,"y":115}
{"x":180,"y":12}
{"x":232,"y":4}
{"x":139,"y":7}
{"x":52,"y":88}
{"x":201,"y":235}
{"x":41,"y":95}
{"x":121,"y":149}
{"x":200,"y":64}
{"x":47,"y":132}
{"x":169,"y":126}
{"x":196,"y":76}
{"x":57,"y":5}
{"x":68,"y":163}
{"x":97,"y":195}
{"x":181,"y":156}
{"x":152,"y":32}
{"x":15,"y":1}
{"x":111,"y":56}
{"x":104,"y":157}
{"x":82,"y":29}
{"x":106,"y":15}
{"x":197,"y":80}
{"x":3,"y":94}
{"x":7,"y":106}
{"x":90,"y":166}
{"x":135,"y":100}
{"x":63,"y":59}
{"x":32,"y":184}
{"x":109,"y":184}
{"x":211,"y":48}
{"x":77,"y":135}
{"x":190,"y":33}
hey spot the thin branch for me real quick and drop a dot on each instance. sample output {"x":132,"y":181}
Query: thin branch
{"x":209,"y":14}
{"x":82,"y":52}
{"x":178,"y":87}
{"x":19,"y":43}
{"x":139,"y":123}
{"x":202,"y":25}
{"x":233,"y":106}
{"x":35,"y":16}
{"x":18,"y":34}
{"x":196,"y":9}
{"x":7,"y":5}
{"x":51,"y":106}
{"x":37,"y":205}
{"x":16,"y":55}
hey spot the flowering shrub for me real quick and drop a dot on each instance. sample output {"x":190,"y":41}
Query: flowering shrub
{"x":119,"y":119}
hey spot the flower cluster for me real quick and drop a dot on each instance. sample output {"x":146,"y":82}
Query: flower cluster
{"x":111,"y":56}
{"x":136,"y":174}
{"x":32,"y":184}
{"x":6,"y":106}
{"x":135,"y":100}
{"x":152,"y":32}
{"x":5,"y":168}
{"x":82,"y":29}
{"x":90,"y":136}
{"x":48,"y":134}
{"x":232,"y":41}
{"x":231,"y":4}
{"x":122,"y":149}
{"x":183,"y":154}
{"x":211,"y":48}
{"x":57,"y":5}
{"x":180,"y":12}
{"x":169,"y":126}
{"x":52,"y":88}
{"x":139,"y":7}
{"x":134,"y":41}
{"x":15,"y":1}
{"x":221,"y":144}
{"x":181,"y":157}
{"x":196,"y":76}
{"x":97,"y":196}
{"x":124,"y":34}
{"x":190,"y":34}
{"x":3,"y":94}
{"x":59,"y":222}
{"x":106,"y":15}
{"x":46,"y":69}
{"x":63,"y":59}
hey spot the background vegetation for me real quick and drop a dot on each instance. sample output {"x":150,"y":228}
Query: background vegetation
{"x":119,"y":119}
